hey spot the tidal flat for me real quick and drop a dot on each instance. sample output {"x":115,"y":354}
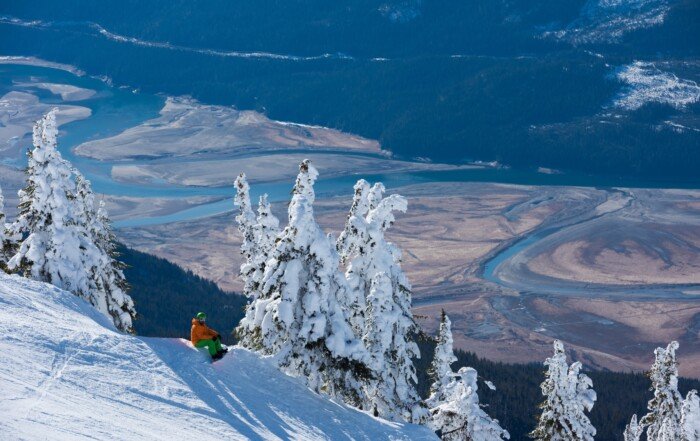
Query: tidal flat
{"x":452,"y":231}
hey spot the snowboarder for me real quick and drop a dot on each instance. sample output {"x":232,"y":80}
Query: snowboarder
{"x":202,"y":336}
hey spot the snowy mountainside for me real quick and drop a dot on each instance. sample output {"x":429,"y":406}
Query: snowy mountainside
{"x":607,"y":21}
{"x":66,"y":373}
{"x":647,"y":83}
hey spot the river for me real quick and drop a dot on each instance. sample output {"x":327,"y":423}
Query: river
{"x":115,"y":109}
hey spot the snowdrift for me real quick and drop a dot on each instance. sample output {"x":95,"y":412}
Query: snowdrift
{"x":66,"y":373}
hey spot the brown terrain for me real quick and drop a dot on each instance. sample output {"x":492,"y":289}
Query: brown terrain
{"x":616,"y":275}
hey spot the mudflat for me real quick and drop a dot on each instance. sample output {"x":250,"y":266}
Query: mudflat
{"x":612,"y":312}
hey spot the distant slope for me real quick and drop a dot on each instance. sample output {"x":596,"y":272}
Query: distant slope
{"x":168,"y":296}
{"x":527,"y":83}
{"x":66,"y":374}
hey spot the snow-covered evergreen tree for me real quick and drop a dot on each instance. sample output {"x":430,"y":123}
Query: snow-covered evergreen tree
{"x":440,"y":369}
{"x":348,"y":240}
{"x":633,"y":431}
{"x":568,"y":394}
{"x":65,"y":241}
{"x":670,"y":417}
{"x":349,"y":244}
{"x":108,"y":288}
{"x":259,"y":235}
{"x":378,"y":284}
{"x":51,"y":251}
{"x":690,"y":417}
{"x":5,"y":246}
{"x":246,"y":224}
{"x":459,"y":416}
{"x":303,"y":323}
{"x":663,"y":421}
{"x":266,"y":228}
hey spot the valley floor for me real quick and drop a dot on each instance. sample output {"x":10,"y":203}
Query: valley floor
{"x":612,"y":272}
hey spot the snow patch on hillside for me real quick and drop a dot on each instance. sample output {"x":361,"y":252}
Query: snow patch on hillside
{"x":607,"y":21}
{"x":67,"y":374}
{"x":401,"y":12}
{"x":646,"y":84}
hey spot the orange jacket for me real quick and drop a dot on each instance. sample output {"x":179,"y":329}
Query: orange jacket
{"x":200,"y":331}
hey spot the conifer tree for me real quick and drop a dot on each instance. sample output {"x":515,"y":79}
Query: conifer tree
{"x":266,"y":229}
{"x":246,"y":224}
{"x":259,"y":235}
{"x":690,"y":417}
{"x":440,"y":369}
{"x":108,"y":288}
{"x":568,"y":394}
{"x":3,"y":234}
{"x":347,"y":241}
{"x":663,"y":421}
{"x":6,"y":241}
{"x":52,"y":245}
{"x":65,"y":241}
{"x":303,"y":324}
{"x":634,"y":430}
{"x":459,"y":416}
{"x":376,"y":280}
{"x":350,"y":244}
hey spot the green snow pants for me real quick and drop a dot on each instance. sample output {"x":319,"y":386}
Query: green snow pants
{"x":213,"y":346}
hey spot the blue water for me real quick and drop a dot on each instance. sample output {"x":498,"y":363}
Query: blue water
{"x":116,"y":109}
{"x":490,"y":270}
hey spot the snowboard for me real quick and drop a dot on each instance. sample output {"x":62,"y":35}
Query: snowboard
{"x":214,"y":360}
{"x":208,"y":358}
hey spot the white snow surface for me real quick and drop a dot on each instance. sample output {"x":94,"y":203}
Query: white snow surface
{"x":66,"y":373}
{"x":608,"y":21}
{"x":646,"y":83}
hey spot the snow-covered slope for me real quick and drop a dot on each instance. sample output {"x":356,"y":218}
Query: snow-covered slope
{"x":66,"y":373}
{"x":607,"y":21}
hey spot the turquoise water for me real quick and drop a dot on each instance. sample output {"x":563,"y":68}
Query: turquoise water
{"x":491,"y":267}
{"x":116,"y":109}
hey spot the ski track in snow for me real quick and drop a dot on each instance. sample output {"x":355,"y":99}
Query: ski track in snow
{"x":67,"y":374}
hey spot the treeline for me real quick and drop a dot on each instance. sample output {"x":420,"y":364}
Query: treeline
{"x":517,"y":396}
{"x":167,"y":297}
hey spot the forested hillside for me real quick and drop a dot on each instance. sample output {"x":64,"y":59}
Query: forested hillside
{"x":517,"y":396}
{"x":167,"y":297}
{"x":526,"y":83}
